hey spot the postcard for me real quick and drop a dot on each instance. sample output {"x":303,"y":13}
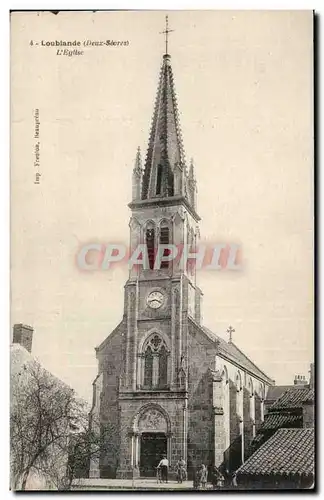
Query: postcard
{"x":162,"y":250}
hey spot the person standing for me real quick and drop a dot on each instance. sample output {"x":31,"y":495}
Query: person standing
{"x":195,"y":478}
{"x":181,"y":470}
{"x":217,"y":478}
{"x":164,"y":466}
{"x":200,"y":478}
{"x":203,"y":476}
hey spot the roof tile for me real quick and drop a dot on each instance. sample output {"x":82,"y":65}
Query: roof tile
{"x":275,"y":391}
{"x":277,"y":420}
{"x":288,"y":451}
{"x":293,"y":398}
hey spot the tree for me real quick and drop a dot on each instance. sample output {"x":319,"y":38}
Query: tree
{"x":94,"y":441}
{"x":53,"y":436}
{"x":44,"y":412}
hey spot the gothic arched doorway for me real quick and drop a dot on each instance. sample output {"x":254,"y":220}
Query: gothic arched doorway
{"x":153,"y":439}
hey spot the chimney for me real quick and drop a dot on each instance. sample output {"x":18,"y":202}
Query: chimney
{"x":300,"y":380}
{"x":23,"y":335}
{"x":312,"y":376}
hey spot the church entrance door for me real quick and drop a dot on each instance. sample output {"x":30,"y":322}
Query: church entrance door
{"x":153,"y":447}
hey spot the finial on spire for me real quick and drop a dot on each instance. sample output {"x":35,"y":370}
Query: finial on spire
{"x":230,"y":330}
{"x":166,"y":33}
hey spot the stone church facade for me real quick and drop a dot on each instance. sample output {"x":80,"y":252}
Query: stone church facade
{"x":166,"y":384}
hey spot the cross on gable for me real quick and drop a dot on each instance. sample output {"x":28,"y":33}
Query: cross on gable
{"x":230,"y":330}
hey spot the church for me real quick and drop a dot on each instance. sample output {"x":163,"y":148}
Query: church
{"x":166,"y":384}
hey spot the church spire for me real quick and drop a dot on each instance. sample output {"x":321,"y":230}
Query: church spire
{"x":164,"y":171}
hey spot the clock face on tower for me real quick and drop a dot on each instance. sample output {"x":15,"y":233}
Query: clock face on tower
{"x":155,"y":299}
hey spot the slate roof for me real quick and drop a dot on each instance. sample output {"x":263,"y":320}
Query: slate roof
{"x":288,"y":451}
{"x":231,"y":352}
{"x":293,"y":398}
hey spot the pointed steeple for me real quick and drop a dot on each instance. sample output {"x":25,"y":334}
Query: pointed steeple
{"x":165,"y":179}
{"x":165,"y":152}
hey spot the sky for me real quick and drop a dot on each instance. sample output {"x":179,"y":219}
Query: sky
{"x":245,"y":95}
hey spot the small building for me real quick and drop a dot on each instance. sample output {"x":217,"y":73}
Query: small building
{"x":282,"y":453}
{"x":285,"y":461}
{"x":62,"y":425}
{"x":293,"y":409}
{"x":276,"y":391}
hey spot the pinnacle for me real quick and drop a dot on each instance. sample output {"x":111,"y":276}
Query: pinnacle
{"x":138,"y":161}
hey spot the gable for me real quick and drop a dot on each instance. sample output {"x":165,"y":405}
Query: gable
{"x":119,"y":330}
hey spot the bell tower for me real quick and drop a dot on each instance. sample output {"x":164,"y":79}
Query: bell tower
{"x":161,"y":292}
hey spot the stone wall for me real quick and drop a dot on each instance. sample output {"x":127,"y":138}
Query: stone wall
{"x":245,"y":413}
{"x":110,"y":361}
{"x":308,"y":415}
{"x":233,"y":453}
{"x":248,"y":420}
{"x":201,"y":356}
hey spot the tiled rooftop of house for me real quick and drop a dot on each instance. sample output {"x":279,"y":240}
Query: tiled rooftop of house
{"x":288,"y":451}
{"x":293,"y":398}
{"x":277,"y":420}
{"x":276,"y":391}
{"x":310,"y":397}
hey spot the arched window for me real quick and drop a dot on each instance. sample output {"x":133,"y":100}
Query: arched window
{"x":163,"y":367}
{"x":150,"y":245}
{"x":148,"y":367}
{"x":155,"y":363}
{"x":165,"y":240}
